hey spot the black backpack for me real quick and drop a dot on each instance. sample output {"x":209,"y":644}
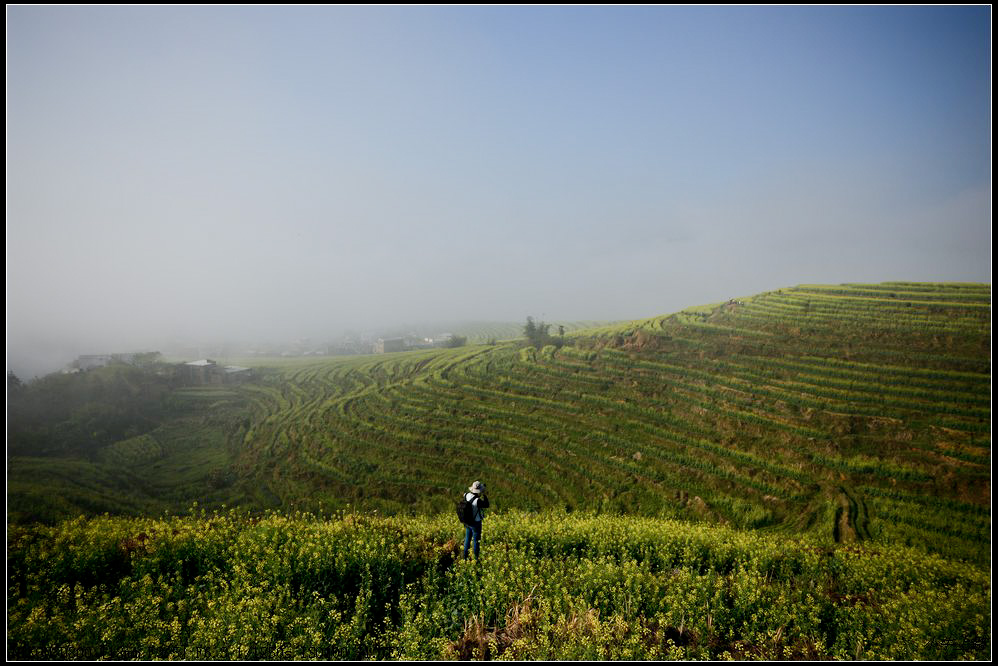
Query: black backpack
{"x":465,"y":511}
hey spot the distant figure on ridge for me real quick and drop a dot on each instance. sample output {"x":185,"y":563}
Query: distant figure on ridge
{"x":471,"y":510}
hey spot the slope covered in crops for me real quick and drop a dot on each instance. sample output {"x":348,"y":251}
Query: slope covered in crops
{"x":854,"y":411}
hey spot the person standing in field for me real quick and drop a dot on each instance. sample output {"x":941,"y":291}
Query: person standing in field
{"x":478,"y":502}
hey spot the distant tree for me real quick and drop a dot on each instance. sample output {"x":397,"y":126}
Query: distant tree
{"x":14,"y":385}
{"x":76,"y":414}
{"x":530,"y":330}
{"x":537,"y":333}
{"x":457,"y":341}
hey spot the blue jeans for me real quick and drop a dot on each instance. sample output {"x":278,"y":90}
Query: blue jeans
{"x":475,"y":529}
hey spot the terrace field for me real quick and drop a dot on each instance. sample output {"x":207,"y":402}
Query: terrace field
{"x":855,"y":411}
{"x":850,"y":422}
{"x":859,"y":411}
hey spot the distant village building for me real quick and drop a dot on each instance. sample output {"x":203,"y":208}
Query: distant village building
{"x":205,"y":371}
{"x":383,"y":346}
{"x":234,"y":373}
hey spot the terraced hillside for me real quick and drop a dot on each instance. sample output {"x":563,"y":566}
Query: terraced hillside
{"x":854,"y":411}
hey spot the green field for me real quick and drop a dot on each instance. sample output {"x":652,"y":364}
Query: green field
{"x":847,"y":426}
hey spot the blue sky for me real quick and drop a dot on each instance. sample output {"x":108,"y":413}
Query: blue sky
{"x":297,"y":171}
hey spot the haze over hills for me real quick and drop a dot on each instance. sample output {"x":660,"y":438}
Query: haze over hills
{"x":38,"y":358}
{"x":266,"y":174}
{"x":855,"y":411}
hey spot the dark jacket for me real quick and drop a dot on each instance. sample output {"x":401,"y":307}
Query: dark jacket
{"x":480,"y":502}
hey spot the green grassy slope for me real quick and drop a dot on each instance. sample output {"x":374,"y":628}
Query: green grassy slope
{"x":856,"y":412}
{"x":186,"y":453}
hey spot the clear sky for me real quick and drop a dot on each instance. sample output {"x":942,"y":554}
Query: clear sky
{"x":286,"y":172}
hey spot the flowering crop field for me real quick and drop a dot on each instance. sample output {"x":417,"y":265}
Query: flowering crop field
{"x":547,"y":586}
